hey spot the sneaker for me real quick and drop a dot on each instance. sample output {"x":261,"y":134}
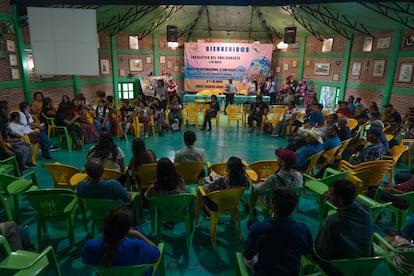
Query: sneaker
{"x":53,"y":148}
{"x":146,"y":135}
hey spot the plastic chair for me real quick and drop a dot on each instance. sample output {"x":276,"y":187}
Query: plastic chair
{"x":173,"y":208}
{"x":5,"y":206}
{"x":348,"y":267}
{"x":8,"y":165}
{"x":61,"y":131}
{"x":136,"y":126}
{"x":389,"y":137}
{"x":352,"y":123}
{"x":61,"y":174}
{"x":219,"y":168}
{"x":190,"y":113}
{"x":216,"y":119}
{"x":410,"y":143}
{"x":396,"y":152}
{"x":313,"y":159}
{"x":329,"y":156}
{"x":321,"y":185}
{"x":146,"y":174}
{"x":23,"y":262}
{"x":54,"y":205}
{"x":234,"y":113}
{"x":400,"y":215}
{"x":406,"y":253}
{"x":263,"y":169}
{"x":191,"y":172}
{"x":158,"y":268}
{"x":273,"y":116}
{"x":100,"y":207}
{"x":227,"y":202}
{"x":241,"y":269}
{"x":342,"y":147}
{"x":12,"y":187}
{"x":370,"y":173}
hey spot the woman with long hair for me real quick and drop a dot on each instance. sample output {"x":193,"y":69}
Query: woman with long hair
{"x":120,"y":245}
{"x":167,"y":180}
{"x":111,"y":155}
{"x":140,"y":155}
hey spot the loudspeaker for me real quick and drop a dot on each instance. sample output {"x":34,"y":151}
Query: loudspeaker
{"x":290,"y":35}
{"x":172,"y":33}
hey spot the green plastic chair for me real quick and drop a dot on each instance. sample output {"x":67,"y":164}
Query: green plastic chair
{"x":54,"y":205}
{"x":6,"y":208}
{"x":173,"y":208}
{"x":319,"y":186}
{"x":400,"y":215}
{"x":262,"y":202}
{"x":135,"y":270}
{"x":12,"y":187}
{"x":406,"y":253}
{"x":62,"y":133}
{"x":100,"y":207}
{"x":241,"y":269}
{"x":9,"y":165}
{"x":27,"y":263}
{"x":354,"y":266}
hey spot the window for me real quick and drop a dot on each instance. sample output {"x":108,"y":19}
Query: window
{"x":126,"y":90}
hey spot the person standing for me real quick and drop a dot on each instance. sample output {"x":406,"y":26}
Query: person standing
{"x":230,"y":89}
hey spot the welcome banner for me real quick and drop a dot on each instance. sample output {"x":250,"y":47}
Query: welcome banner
{"x":210,"y":65}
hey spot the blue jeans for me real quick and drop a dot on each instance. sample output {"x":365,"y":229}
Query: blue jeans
{"x":44,"y":143}
{"x":98,"y":125}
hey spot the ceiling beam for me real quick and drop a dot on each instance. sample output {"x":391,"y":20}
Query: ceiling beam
{"x":270,"y":30}
{"x":392,"y":13}
{"x":266,"y":3}
{"x":302,"y":21}
{"x":170,"y":11}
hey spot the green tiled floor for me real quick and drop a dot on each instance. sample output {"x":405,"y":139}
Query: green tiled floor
{"x":202,"y":258}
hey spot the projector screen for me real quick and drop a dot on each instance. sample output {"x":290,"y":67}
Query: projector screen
{"x":64,"y":41}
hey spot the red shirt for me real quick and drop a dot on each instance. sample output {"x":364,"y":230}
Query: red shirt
{"x":345,"y":111}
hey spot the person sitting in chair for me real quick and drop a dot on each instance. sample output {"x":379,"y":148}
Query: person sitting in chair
{"x":278,"y":242}
{"x":256,"y":112}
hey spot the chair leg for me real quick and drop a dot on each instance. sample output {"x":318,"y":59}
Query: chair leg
{"x":39,"y":234}
{"x":199,"y":206}
{"x":71,"y":233}
{"x":213,"y":226}
{"x":158,"y":229}
{"x":237,"y":215}
{"x":187,"y":230}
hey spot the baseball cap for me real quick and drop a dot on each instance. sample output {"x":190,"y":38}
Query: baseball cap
{"x":288,"y":156}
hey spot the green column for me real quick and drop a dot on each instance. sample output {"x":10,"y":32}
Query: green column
{"x":301,"y":61}
{"x":115,"y":78}
{"x":391,"y":68}
{"x":156,"y":55}
{"x":22,"y":56}
{"x":76,"y":84}
{"x":345,"y":68}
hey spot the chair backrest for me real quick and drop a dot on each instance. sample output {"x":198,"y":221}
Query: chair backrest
{"x":370,"y":173}
{"x":275,"y":114}
{"x":146,"y":174}
{"x":264,"y":168}
{"x":135,"y":270}
{"x":191,"y":110}
{"x":173,"y":207}
{"x":8,"y":165}
{"x":234,"y":111}
{"x":357,"y":266}
{"x":329,"y":155}
{"x":313,"y":159}
{"x":191,"y":172}
{"x":51,"y":203}
{"x":396,"y":152}
{"x":111,"y":174}
{"x":227,"y":201}
{"x":352,"y":123}
{"x":99,"y":208}
{"x":342,"y":147}
{"x":330,"y":175}
{"x":219,"y":168}
{"x":61,"y":174}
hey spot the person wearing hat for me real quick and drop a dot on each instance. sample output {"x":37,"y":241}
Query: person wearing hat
{"x":314,"y":144}
{"x":275,"y":246}
{"x":375,"y":150}
{"x":286,"y":176}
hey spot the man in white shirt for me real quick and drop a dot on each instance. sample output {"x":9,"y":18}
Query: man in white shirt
{"x":230,"y":89}
{"x":190,"y":153}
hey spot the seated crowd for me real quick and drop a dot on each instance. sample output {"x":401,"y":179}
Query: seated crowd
{"x":273,"y":246}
